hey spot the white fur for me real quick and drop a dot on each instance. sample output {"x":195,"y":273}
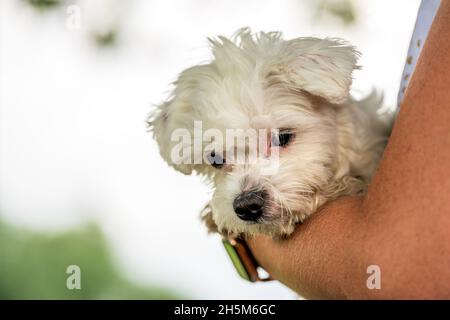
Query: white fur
{"x":301,"y":84}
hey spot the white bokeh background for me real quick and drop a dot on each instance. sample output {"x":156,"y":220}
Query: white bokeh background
{"x":73,"y":140}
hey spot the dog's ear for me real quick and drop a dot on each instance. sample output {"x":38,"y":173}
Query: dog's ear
{"x":321,"y":67}
{"x":206,"y":215}
{"x":172,"y":123}
{"x":163,"y":122}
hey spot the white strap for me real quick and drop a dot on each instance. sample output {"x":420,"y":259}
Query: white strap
{"x":425,"y":16}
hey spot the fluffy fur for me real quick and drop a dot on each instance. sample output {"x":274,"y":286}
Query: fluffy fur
{"x":302,"y":84}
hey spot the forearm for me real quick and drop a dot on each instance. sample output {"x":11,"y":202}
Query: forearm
{"x":324,"y":257}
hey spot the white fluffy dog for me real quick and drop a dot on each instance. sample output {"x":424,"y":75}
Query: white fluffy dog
{"x":327,"y":144}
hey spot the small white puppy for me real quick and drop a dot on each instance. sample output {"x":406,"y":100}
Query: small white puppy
{"x":296,"y":92}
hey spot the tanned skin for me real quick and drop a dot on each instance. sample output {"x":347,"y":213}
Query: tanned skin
{"x":402,"y":224}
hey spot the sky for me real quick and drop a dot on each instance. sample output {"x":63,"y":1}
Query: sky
{"x":73,"y":142}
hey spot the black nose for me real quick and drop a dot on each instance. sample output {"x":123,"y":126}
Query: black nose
{"x":249,"y":205}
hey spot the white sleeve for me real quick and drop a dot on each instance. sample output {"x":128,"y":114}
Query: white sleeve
{"x":425,"y":16}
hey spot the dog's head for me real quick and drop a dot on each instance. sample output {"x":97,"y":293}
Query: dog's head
{"x":259,"y":122}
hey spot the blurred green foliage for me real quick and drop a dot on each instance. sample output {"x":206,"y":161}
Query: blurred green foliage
{"x":107,"y":39}
{"x":44,"y":4}
{"x":342,"y":9}
{"x":103,"y":39}
{"x":33,"y":266}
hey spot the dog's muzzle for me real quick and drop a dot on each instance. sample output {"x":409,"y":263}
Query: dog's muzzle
{"x":249,"y":205}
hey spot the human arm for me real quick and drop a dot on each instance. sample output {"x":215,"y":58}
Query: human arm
{"x":402,"y":224}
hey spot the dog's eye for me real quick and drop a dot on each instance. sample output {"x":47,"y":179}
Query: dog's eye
{"x":216,"y":160}
{"x":283,"y":138}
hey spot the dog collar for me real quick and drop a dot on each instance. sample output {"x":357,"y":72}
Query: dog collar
{"x":243,"y":260}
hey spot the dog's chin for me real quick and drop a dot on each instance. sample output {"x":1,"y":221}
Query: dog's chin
{"x":276,"y":228}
